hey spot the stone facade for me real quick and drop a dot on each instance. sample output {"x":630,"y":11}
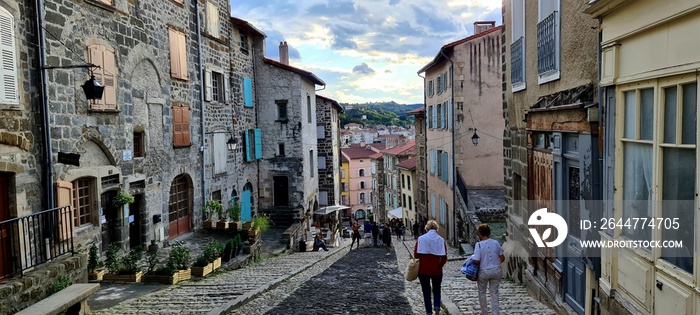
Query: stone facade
{"x":327,"y":114}
{"x":421,"y":165}
{"x":279,"y":83}
{"x":379,"y":186}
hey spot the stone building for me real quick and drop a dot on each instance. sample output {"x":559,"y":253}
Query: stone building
{"x":551,"y":144}
{"x":286,"y":115}
{"x":407,"y":172}
{"x":392,"y":176}
{"x":378,"y":186}
{"x":462,"y":96}
{"x":421,"y":166}
{"x":328,"y":141}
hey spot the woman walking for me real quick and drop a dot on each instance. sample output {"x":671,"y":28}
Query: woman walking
{"x":489,"y":256}
{"x":431,"y":249}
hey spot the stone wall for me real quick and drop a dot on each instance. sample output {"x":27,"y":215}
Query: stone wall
{"x":327,"y":117}
{"x":21,"y":292}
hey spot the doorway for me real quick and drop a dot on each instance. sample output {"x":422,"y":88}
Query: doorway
{"x":135,"y":240}
{"x":5,"y":250}
{"x":180,"y":205}
{"x":281,"y":190}
{"x":247,"y":203}
{"x":110,"y":224}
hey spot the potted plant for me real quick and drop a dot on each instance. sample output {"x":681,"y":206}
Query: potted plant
{"x":125,"y":268}
{"x":94,"y":264}
{"x":210,"y":208}
{"x":234,"y":214}
{"x":122,"y":198}
{"x":209,"y":259}
{"x":238,"y":245}
{"x":261,"y":223}
{"x":176,"y":268}
{"x":232,"y":249}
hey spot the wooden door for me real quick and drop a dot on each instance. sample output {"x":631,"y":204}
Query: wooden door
{"x":246,"y":205}
{"x":5,"y":250}
{"x":179,"y":209}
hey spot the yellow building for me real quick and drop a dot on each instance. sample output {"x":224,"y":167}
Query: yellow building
{"x":407,"y":174}
{"x":649,"y":68}
{"x":344,"y":181}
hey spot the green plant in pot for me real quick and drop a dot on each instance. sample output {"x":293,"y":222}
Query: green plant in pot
{"x":234,"y":214}
{"x":94,"y":264}
{"x":261,"y":223}
{"x":211,"y":208}
{"x":112,"y":260}
{"x":153,"y":248}
{"x":122,"y":198}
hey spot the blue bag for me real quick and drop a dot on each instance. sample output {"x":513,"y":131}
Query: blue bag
{"x":470,"y":269}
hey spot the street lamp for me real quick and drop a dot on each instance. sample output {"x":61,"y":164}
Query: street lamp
{"x":232,"y":144}
{"x":93,"y":89}
{"x":475,"y":138}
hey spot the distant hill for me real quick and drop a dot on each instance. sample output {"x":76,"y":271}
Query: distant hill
{"x":384,"y":113}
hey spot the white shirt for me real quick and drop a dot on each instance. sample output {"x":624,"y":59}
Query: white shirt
{"x":487,"y":252}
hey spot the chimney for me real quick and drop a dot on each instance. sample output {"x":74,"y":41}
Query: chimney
{"x":482,"y":26}
{"x":284,"y":53}
{"x":362,"y":144}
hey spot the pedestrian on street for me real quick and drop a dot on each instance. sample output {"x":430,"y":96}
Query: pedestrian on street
{"x":355,"y":235}
{"x":489,"y":256}
{"x":398,"y":231}
{"x":416,"y":230}
{"x":386,"y":237}
{"x":431,"y":250}
{"x":318,"y":243}
{"x":375,"y":233}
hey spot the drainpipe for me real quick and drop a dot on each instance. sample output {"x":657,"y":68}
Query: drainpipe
{"x":44,"y":106}
{"x":452,"y":113}
{"x":425,"y":145}
{"x":255,"y":95}
{"x":202,"y":148}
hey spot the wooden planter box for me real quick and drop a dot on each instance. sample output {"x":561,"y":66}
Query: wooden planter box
{"x":181,"y":275}
{"x":209,"y":224}
{"x":216,"y":264}
{"x":96,"y":275}
{"x":203,"y":271}
{"x":123,"y":278}
{"x":234,"y":225}
{"x":221,"y":225}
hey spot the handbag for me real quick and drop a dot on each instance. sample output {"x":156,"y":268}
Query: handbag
{"x":471,"y":269}
{"x":412,"y":269}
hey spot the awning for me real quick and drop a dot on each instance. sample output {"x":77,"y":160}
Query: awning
{"x":396,"y":213}
{"x":330,"y":209}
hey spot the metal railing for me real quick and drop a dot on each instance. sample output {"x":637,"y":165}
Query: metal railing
{"x":546,"y":44}
{"x":462,"y":188}
{"x":517,"y":61}
{"x":32,"y":240}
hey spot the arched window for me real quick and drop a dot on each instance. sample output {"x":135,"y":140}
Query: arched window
{"x":362,"y":185}
{"x":361,"y":172}
{"x":361,"y":198}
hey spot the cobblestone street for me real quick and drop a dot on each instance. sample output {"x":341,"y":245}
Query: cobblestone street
{"x":340,"y":281}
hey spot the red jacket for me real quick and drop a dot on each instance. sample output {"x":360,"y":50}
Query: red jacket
{"x":430,"y":265}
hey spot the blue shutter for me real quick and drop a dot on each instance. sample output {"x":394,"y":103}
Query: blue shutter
{"x":443,"y":162}
{"x":432,"y":161}
{"x":248,"y":92}
{"x":258,"y":143}
{"x":248,"y":145}
{"x":449,"y":114}
{"x":432,"y":205}
{"x":442,"y":211}
{"x":449,"y":167}
{"x":246,"y":206}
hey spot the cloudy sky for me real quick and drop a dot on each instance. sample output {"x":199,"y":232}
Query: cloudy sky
{"x":365,"y":50}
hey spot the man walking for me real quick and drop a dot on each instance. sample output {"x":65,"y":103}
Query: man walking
{"x":355,"y":235}
{"x":375,"y":233}
{"x":416,"y":230}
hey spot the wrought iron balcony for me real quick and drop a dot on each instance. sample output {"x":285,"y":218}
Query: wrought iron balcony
{"x":35,"y":239}
{"x":517,"y":61}
{"x":546,"y":44}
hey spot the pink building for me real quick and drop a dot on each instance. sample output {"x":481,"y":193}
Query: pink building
{"x":360,"y":178}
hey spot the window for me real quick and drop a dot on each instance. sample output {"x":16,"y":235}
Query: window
{"x":138,"y":144}
{"x":342,"y":173}
{"x":346,"y":186}
{"x":410,"y":203}
{"x":362,"y":161}
{"x":321,"y":133}
{"x":431,"y":92}
{"x":280,"y":149}
{"x":517,"y":46}
{"x":82,"y":200}
{"x":220,"y":150}
{"x":429,"y":120}
{"x":212,"y":19}
{"x":345,"y":200}
{"x":403,"y":181}
{"x":403,"y":200}
{"x":253,"y":144}
{"x":311,"y":163}
{"x":548,"y":41}
{"x":216,"y":87}
{"x":361,"y":198}
{"x":178,"y":54}
{"x":440,"y":117}
{"x":244,"y":44}
{"x":323,"y":198}
{"x":181,"y":125}
{"x":9,"y":93}
{"x":248,"y":92}
{"x":106,"y":74}
{"x":321,"y":162}
{"x":308,"y":108}
{"x":361,"y":172}
{"x":281,"y":110}
{"x":362,"y":185}
{"x":408,"y":180}
{"x":438,"y":84}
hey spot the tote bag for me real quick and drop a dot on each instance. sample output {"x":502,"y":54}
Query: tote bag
{"x":412,"y":269}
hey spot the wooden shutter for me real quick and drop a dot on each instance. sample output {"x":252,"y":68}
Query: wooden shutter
{"x":219,"y":149}
{"x":109,"y":70}
{"x":248,"y":92}
{"x":212,"y":19}
{"x":207,"y":85}
{"x":95,"y":55}
{"x":174,"y":53}
{"x":182,"y":54}
{"x":177,"y":126}
{"x":258,"y":143}
{"x":8,"y":70}
{"x":248,"y":155}
{"x":185,"y":125}
{"x":64,"y":197}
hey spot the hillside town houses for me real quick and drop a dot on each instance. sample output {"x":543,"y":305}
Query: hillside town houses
{"x":585,"y":108}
